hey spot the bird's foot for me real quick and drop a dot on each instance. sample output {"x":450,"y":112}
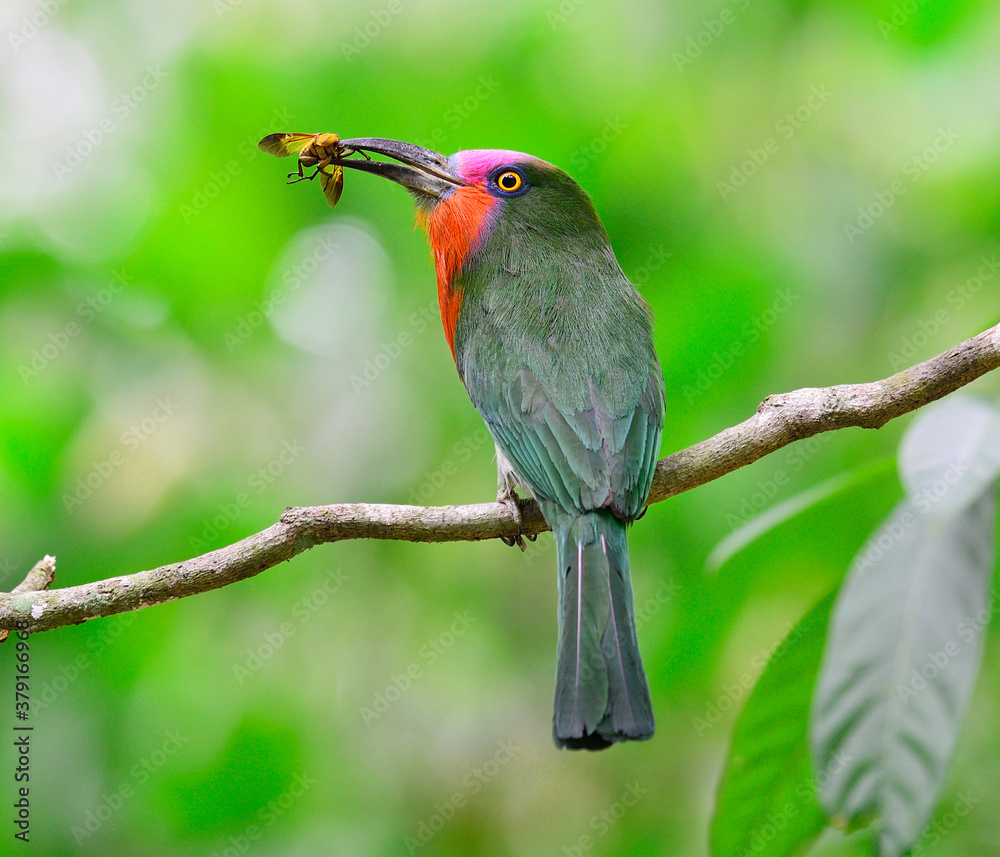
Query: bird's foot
{"x":506,"y":496}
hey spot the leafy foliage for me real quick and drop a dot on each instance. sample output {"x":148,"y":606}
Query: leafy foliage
{"x":767,"y":802}
{"x":906,"y":633}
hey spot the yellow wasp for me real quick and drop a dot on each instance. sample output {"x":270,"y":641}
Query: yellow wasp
{"x":314,"y":150}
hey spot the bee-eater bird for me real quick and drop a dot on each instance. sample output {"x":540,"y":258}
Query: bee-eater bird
{"x":555,"y":348}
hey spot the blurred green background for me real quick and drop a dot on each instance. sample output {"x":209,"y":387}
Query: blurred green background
{"x":806,"y":193}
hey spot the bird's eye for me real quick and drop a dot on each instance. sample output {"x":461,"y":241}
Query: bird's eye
{"x":510,"y":181}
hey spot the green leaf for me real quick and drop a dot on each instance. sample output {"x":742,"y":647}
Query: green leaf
{"x":950,"y":454}
{"x":767,"y":802}
{"x":901,"y":660}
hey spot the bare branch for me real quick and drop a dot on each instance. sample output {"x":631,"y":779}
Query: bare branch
{"x":779,"y":420}
{"x":40,"y":577}
{"x":784,"y":418}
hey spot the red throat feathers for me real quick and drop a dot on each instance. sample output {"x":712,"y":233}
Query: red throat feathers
{"x":453,"y":227}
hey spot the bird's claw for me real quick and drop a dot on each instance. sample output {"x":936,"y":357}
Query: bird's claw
{"x":506,"y":496}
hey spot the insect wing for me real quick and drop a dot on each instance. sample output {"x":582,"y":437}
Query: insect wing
{"x":332,"y":182}
{"x":283,"y":145}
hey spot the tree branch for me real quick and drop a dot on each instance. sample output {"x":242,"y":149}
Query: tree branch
{"x":40,"y":577}
{"x":787,"y":417}
{"x":779,"y":420}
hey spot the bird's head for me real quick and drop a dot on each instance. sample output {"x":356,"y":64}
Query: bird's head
{"x":492,"y":207}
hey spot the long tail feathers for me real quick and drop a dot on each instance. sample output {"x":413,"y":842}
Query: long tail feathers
{"x":601,"y":692}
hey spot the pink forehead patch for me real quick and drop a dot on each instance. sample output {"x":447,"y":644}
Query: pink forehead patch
{"x":473,"y":165}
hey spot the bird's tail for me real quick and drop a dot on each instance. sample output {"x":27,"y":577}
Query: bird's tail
{"x":601,"y":691}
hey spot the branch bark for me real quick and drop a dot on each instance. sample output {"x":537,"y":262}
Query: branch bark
{"x":780,"y":420}
{"x":40,"y":577}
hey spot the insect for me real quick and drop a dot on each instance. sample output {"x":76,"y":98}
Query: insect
{"x":314,"y":150}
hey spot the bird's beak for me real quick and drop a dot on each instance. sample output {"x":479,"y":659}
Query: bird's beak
{"x":420,"y":170}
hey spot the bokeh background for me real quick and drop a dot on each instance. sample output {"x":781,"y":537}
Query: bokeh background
{"x":807,"y":193}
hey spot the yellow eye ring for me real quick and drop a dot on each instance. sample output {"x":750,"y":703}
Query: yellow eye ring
{"x":509,"y":181}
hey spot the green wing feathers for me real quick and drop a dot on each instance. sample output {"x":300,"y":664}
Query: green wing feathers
{"x":583,"y":460}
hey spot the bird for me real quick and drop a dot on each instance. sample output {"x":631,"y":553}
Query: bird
{"x":555,"y":348}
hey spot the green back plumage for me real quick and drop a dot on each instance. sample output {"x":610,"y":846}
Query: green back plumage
{"x":555,"y":348}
